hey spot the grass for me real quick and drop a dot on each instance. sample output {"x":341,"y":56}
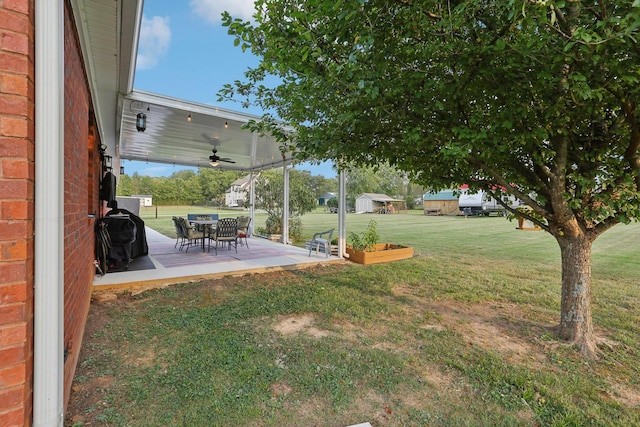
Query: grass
{"x":462,"y":334}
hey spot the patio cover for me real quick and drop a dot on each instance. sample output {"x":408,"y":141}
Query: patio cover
{"x":171,"y":138}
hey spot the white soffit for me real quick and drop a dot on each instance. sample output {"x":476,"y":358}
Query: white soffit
{"x":170,"y":138}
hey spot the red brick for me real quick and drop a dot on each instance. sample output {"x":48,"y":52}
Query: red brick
{"x":21,"y":6}
{"x":11,"y":397}
{"x":14,"y":42}
{"x":13,"y":293}
{"x":14,"y":21}
{"x":13,"y":334}
{"x":14,"y":105}
{"x":11,"y":356}
{"x":14,"y":418}
{"x":14,"y":250}
{"x":12,"y":313}
{"x":13,"y":63}
{"x":15,"y":84}
{"x":13,"y":147}
{"x":13,"y":189}
{"x":15,"y":168}
{"x":13,"y":230}
{"x":12,"y":376}
{"x":15,"y":210}
{"x":16,"y":127}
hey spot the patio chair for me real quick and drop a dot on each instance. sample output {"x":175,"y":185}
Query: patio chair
{"x":191,"y":236}
{"x":226,"y":232}
{"x":243,"y":229}
{"x":321,"y":240}
{"x":179,"y":232}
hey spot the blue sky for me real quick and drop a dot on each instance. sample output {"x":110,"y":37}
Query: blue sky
{"x":186,"y":53}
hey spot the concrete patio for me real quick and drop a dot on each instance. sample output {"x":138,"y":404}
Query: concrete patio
{"x":170,"y":265}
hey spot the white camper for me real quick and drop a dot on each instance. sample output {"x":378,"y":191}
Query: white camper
{"x":481,"y":203}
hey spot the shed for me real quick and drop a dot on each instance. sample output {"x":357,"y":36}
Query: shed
{"x":322,"y":200}
{"x":443,"y":202}
{"x":145,"y":199}
{"x":378,"y":203}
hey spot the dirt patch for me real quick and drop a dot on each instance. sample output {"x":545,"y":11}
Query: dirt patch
{"x":280,"y":389}
{"x":299,"y":324}
{"x":626,"y":396}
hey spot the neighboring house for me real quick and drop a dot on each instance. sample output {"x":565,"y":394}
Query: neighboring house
{"x":377,"y":203}
{"x":145,"y":199}
{"x":238,"y":192}
{"x":443,"y":202}
{"x":322,"y":200}
{"x":57,"y":128}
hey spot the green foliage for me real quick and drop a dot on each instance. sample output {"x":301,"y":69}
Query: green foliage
{"x":332,"y":203}
{"x":540,"y":98}
{"x":507,"y":95}
{"x":269,"y":192}
{"x":365,"y":241}
{"x":273,"y":225}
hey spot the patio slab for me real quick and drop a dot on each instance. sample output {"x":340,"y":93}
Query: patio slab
{"x":175,"y":266}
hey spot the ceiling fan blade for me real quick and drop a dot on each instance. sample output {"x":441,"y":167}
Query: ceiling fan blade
{"x":227,"y":160}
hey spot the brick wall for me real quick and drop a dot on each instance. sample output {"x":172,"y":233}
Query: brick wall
{"x":80,"y":199}
{"x":17,"y":183}
{"x":17,"y":172}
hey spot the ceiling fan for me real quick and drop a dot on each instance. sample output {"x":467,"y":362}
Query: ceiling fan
{"x":215,"y":159}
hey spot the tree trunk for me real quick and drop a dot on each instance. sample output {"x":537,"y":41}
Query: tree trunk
{"x":576,"y":325}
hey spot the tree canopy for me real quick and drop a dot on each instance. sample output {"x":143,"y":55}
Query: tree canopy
{"x":538,"y":98}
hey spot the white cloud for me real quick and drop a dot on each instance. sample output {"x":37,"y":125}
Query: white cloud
{"x":155,"y":38}
{"x":211,"y":10}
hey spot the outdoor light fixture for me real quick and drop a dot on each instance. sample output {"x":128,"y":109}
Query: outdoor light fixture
{"x":141,"y":118}
{"x":214,"y":164}
{"x":189,"y":117}
{"x":226,"y":125}
{"x":141,"y":122}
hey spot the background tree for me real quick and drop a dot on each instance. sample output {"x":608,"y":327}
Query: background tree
{"x":269,"y":192}
{"x":537,"y":97}
{"x":214,"y":183}
{"x":125,"y":186}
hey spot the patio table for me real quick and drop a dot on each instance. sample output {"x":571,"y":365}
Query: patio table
{"x":208,"y":225}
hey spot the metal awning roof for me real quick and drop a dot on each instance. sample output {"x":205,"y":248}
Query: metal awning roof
{"x":108,"y":34}
{"x":171,"y":138}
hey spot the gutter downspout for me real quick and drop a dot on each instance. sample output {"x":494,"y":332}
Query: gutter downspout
{"x":48,"y":357}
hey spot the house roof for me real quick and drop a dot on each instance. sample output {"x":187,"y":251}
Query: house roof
{"x":244,"y":181}
{"x":108,"y":34}
{"x":378,"y":197}
{"x":440,"y":195}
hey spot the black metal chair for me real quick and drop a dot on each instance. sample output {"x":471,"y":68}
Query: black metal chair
{"x":226,"y":232}
{"x":191,"y":236}
{"x":179,"y":232}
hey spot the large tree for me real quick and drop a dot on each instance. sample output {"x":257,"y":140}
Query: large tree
{"x":536,"y":97}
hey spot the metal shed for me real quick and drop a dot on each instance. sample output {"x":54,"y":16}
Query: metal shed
{"x":377,"y":203}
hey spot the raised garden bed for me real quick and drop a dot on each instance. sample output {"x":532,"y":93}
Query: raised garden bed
{"x":384,"y":252}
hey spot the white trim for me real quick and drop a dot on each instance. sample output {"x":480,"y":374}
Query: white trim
{"x":285,"y":204}
{"x":342,"y":217}
{"x":48,"y":359}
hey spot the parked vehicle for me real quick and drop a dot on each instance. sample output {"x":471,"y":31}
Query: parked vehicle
{"x":481,"y":203}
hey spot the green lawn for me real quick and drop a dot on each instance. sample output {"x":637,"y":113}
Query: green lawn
{"x":460,"y":335}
